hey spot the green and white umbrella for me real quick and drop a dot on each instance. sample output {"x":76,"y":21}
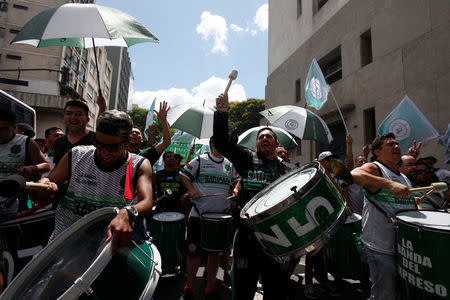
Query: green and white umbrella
{"x":300,"y":122}
{"x":192,"y":118}
{"x":248,"y":138}
{"x":187,"y":138}
{"x":83,"y":26}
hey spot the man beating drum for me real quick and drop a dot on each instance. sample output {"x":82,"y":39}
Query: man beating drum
{"x":208,"y":180}
{"x":257,"y":170}
{"x":378,"y":234}
{"x":97,"y":176}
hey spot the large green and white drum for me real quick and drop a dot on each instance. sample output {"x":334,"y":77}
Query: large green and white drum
{"x":168,"y":231}
{"x":341,"y":254}
{"x":217,"y":232}
{"x":79,"y":264}
{"x":297,"y":213}
{"x":423,"y":245}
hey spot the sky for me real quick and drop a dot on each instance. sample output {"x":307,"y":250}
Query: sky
{"x":201,"y":41}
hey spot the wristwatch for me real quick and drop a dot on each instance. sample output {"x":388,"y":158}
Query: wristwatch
{"x":132,"y":212}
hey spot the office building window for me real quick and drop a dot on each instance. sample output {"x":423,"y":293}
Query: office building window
{"x":14,"y":57}
{"x":366,"y":48}
{"x":318,"y":4}
{"x":92,"y":68}
{"x":299,"y":8}
{"x":20,"y":7}
{"x":369,"y":125}
{"x":90,"y":92}
{"x":331,"y":65}
{"x":2,"y":31}
{"x":298,"y":91}
{"x":3,"y":6}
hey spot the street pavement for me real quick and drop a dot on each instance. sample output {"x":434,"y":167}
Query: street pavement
{"x":170,"y":287}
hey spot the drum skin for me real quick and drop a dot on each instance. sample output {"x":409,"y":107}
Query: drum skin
{"x":342,"y":257}
{"x":217,"y":232}
{"x":303,"y":222}
{"x":168,"y":230}
{"x":131,"y":274}
{"x":423,"y":254}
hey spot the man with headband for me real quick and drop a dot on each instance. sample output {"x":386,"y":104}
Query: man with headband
{"x":96,"y":178}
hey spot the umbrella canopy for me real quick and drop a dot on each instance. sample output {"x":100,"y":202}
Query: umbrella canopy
{"x":248,"y":138}
{"x":300,"y":122}
{"x":192,"y":118}
{"x":84,"y":26}
{"x":187,"y":138}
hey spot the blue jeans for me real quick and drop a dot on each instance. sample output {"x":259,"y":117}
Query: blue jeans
{"x":383,"y":274}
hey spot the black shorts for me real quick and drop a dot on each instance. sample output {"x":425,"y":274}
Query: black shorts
{"x":193,"y":238}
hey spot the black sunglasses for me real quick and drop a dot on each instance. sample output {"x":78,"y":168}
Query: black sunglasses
{"x":108,"y":147}
{"x":427,"y":171}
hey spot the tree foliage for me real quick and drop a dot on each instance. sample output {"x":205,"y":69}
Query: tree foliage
{"x":245,"y":115}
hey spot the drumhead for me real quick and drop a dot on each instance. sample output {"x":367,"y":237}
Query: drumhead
{"x":218,"y":216}
{"x":55,"y":268}
{"x":428,"y":219}
{"x":279,"y":191}
{"x":169,"y":216}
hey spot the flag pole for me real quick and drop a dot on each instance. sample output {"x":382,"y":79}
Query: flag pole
{"x":342,"y":117}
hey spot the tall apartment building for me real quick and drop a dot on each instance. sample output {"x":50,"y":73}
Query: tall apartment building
{"x":372,"y":53}
{"x":120,"y":77}
{"x":45,"y":90}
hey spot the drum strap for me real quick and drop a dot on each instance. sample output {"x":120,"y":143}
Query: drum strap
{"x":379,"y":208}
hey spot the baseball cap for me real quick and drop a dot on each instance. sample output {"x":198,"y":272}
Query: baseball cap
{"x":326,"y":154}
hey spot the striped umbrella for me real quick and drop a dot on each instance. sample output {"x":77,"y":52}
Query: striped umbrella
{"x":192,"y":118}
{"x":248,"y":138}
{"x":300,"y":122}
{"x":83,"y":26}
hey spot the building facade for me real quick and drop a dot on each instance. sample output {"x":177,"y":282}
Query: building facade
{"x":372,"y":53}
{"x":120,"y":81}
{"x":47,"y":91}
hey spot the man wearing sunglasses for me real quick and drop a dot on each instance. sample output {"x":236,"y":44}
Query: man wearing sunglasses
{"x":96,"y":177}
{"x":424,"y":177}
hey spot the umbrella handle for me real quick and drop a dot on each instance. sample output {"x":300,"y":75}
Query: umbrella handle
{"x":96,"y":65}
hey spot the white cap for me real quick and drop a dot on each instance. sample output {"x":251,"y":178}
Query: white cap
{"x":325,"y":154}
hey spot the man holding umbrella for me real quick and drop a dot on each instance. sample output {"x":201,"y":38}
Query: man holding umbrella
{"x":257,"y":170}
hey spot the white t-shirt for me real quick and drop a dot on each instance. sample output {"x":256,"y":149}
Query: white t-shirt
{"x":215,"y":175}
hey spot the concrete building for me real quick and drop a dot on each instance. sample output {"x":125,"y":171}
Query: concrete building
{"x":45,"y":91}
{"x":372,"y":52}
{"x":120,"y":77}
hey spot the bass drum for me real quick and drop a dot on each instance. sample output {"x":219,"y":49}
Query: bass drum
{"x":168,"y":230}
{"x":297,"y":213}
{"x":80,"y":264}
{"x":423,"y":243}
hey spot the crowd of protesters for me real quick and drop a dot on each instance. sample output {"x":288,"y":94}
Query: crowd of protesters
{"x":216,"y":182}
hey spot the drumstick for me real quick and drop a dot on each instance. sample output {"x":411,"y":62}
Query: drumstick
{"x":35,"y":186}
{"x":9,"y":166}
{"x":435,"y":187}
{"x":232,"y":76}
{"x":211,"y":195}
{"x":168,"y":192}
{"x":427,"y":195}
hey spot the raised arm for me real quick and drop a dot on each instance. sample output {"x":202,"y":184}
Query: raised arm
{"x":162,"y":115}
